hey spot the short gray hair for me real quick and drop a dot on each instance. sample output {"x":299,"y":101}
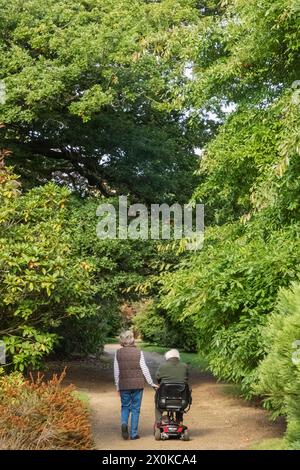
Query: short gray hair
{"x":172,"y":353}
{"x":127,"y":338}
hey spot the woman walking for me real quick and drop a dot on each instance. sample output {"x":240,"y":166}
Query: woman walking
{"x":130,"y":372}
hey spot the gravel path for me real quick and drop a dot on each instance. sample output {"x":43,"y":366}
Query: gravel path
{"x":217,"y":419}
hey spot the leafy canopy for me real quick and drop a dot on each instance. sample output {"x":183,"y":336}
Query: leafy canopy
{"x":95,"y":94}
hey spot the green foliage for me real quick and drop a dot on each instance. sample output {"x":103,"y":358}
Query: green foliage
{"x":228,"y":289}
{"x":61,"y":286}
{"x":94,"y":87}
{"x":150,"y":324}
{"x":293,"y":415}
{"x":193,"y":359}
{"x":275,"y":443}
{"x":115,"y":96}
{"x":255,"y":75}
{"x":236,"y":351}
{"x":85,"y":335}
{"x":236,"y":161}
{"x":277,"y":373}
{"x":117,"y":268}
{"x":249,"y":182}
{"x":43,"y":279}
{"x":247,"y":53}
{"x":155,"y":326}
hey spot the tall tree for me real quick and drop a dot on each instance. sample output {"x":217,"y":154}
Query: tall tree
{"x":96,"y":93}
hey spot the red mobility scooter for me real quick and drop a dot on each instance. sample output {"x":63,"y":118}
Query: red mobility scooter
{"x":173,"y":399}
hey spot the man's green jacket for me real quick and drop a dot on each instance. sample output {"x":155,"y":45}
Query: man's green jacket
{"x":172,"y":371}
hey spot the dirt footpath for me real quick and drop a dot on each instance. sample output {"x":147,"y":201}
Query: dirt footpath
{"x":217,"y":420}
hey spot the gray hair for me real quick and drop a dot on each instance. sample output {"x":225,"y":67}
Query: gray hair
{"x":172,"y":353}
{"x":126,"y":338}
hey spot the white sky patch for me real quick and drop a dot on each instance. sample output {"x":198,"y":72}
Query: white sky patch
{"x":229,"y":107}
{"x":188,"y":70}
{"x":198,"y":151}
{"x":2,"y":92}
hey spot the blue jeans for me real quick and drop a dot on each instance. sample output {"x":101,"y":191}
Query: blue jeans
{"x":131,"y":401}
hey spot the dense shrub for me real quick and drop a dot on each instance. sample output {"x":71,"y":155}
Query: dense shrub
{"x":117,"y":266}
{"x":61,"y":286}
{"x":43,"y":277}
{"x":236,"y":350}
{"x":38,"y":414}
{"x":156,"y":327}
{"x":228,"y":289}
{"x":87,"y":335}
{"x":150,"y":325}
{"x":246,"y":147}
{"x":293,"y":415}
{"x":278,"y":373}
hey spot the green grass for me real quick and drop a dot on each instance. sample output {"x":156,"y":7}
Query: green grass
{"x":112,"y":340}
{"x":193,"y":359}
{"x":82,"y":396}
{"x":276,"y":443}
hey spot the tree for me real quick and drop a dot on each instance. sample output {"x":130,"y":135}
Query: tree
{"x":61,"y":287}
{"x":246,"y":73}
{"x":42,"y":280}
{"x":118,"y":267}
{"x":95,"y":94}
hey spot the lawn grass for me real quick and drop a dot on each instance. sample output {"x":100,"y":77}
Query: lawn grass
{"x":276,"y":443}
{"x":112,"y":340}
{"x":192,"y":359}
{"x":82,"y":396}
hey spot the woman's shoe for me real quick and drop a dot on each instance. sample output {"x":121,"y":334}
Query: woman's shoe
{"x":135,"y":437}
{"x":124,"y":431}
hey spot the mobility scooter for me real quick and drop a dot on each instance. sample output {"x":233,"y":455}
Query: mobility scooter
{"x":173,"y":399}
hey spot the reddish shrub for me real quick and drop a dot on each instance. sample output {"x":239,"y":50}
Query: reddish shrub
{"x":39,"y":414}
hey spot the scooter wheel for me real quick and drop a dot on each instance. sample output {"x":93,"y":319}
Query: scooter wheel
{"x":186,"y":435}
{"x":157,"y":435}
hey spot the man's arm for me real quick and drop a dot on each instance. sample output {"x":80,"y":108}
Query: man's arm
{"x":116,"y":372}
{"x":186,"y":373}
{"x":145,"y":370}
{"x":158,"y":374}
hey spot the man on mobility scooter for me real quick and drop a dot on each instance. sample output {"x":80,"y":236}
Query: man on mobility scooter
{"x":172,"y":399}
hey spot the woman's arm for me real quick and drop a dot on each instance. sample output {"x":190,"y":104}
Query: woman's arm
{"x":145,"y":370}
{"x":116,"y":372}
